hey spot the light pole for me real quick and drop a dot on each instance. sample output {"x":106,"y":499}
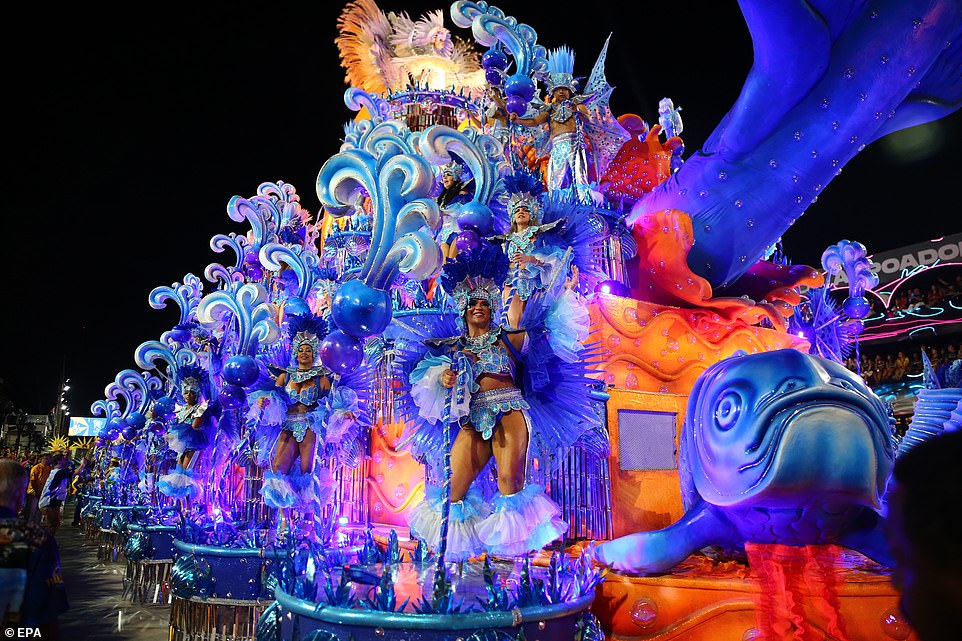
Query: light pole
{"x":62,"y":410}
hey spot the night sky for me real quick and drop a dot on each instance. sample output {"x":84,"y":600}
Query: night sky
{"x":130,"y":134}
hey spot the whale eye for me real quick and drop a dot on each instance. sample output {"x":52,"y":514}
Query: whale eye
{"x":727,"y":409}
{"x":790,"y":384}
{"x":844,"y":384}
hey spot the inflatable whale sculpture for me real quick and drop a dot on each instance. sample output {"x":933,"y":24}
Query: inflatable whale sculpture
{"x":778,"y":447}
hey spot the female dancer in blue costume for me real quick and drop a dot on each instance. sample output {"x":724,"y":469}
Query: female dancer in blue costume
{"x":455,"y":192}
{"x":304,"y":407}
{"x":494,"y":419}
{"x":531,"y":264}
{"x":191,"y":432}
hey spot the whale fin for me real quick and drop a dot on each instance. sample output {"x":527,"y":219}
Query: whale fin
{"x":661,"y":550}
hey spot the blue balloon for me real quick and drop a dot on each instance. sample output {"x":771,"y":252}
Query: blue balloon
{"x":136,"y":420}
{"x":164,"y":407}
{"x":116,"y":424}
{"x":519,"y":85}
{"x":232,"y":397}
{"x":129,"y":432}
{"x":179,"y":335}
{"x":856,"y":307}
{"x":494,"y":59}
{"x":476,"y":215}
{"x":360,"y":310}
{"x":341,"y":353}
{"x":241,"y":370}
{"x":296,"y":306}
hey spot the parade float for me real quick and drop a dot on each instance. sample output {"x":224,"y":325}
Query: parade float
{"x":290,"y":462}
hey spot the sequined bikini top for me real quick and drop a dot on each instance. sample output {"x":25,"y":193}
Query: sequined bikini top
{"x":522,"y":241}
{"x":310,"y":394}
{"x":187,"y":413}
{"x":492,"y":357}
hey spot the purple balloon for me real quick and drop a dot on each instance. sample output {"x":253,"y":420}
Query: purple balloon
{"x":255,"y":272}
{"x":494,"y":77}
{"x":111,"y":435}
{"x":252,"y":257}
{"x":494,"y":59}
{"x":341,"y":353}
{"x":468,"y":240}
{"x":477,"y":216}
{"x":233,"y":397}
{"x":519,"y":85}
{"x":157,"y":427}
{"x":516,"y":105}
{"x":856,"y":326}
{"x":241,"y":370}
{"x":361,"y":310}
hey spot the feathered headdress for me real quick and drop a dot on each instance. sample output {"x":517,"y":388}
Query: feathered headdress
{"x":524,"y":188}
{"x":561,"y":66}
{"x":306,"y":329}
{"x":477,"y":274}
{"x":191,"y":378}
{"x":430,"y":33}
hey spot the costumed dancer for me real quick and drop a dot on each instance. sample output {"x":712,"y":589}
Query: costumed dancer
{"x":192,"y":431}
{"x":532,"y":263}
{"x":302,"y":409}
{"x":494,"y":416}
{"x":455,"y":193}
{"x":567,"y":162}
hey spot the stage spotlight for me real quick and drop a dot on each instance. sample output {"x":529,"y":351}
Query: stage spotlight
{"x":613,"y":287}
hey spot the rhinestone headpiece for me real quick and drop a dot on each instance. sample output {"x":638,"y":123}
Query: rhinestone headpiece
{"x":190,"y":384}
{"x":304,"y":338}
{"x":525,"y":199}
{"x":481,"y":289}
{"x":453,"y":169}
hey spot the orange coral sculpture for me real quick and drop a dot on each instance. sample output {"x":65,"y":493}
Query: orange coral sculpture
{"x":663,"y":343}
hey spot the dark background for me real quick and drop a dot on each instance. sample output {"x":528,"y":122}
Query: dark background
{"x":130,"y":132}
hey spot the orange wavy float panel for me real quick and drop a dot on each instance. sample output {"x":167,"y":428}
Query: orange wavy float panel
{"x":395,"y":480}
{"x":658,"y":348}
{"x":703,"y":600}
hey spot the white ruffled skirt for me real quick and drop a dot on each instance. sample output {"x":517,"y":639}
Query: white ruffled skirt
{"x":463,"y":542}
{"x":521,"y":523}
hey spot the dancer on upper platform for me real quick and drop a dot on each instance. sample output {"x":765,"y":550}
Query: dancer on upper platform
{"x":567,"y":165}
